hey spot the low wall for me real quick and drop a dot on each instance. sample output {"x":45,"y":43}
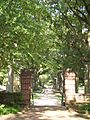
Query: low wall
{"x":10,"y":98}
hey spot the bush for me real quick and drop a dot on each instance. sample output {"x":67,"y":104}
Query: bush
{"x":85,"y":107}
{"x":4,"y":109}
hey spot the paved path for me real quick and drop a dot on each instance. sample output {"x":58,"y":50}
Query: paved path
{"x":46,"y":113}
{"x":48,"y":98}
{"x":46,"y":108}
{"x":49,"y":108}
{"x":50,"y":113}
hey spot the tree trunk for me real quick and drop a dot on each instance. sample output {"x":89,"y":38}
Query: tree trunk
{"x":88,"y":77}
{"x":10,"y":79}
{"x":63,"y":89}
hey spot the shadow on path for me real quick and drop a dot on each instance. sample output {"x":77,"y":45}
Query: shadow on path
{"x":49,"y":113}
{"x":47,"y":108}
{"x":46,"y":113}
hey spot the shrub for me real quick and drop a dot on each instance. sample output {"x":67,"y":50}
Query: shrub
{"x":85,"y":107}
{"x":4,"y":109}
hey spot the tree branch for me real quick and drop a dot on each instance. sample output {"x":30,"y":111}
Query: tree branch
{"x":75,"y":11}
{"x":87,"y":7}
{"x":79,"y":17}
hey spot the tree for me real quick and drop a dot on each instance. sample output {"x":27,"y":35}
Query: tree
{"x":45,"y":33}
{"x":24,"y":34}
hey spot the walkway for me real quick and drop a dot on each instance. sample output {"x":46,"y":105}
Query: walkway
{"x":48,"y":98}
{"x":46,"y":108}
{"x":50,"y":113}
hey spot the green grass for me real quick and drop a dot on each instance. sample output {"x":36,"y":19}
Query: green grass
{"x":36,"y":95}
{"x":84,"y":108}
{"x":58,"y":97}
{"x":4,"y":109}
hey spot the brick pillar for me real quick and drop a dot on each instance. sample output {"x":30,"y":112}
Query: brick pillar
{"x":26,"y":86}
{"x":70,"y":86}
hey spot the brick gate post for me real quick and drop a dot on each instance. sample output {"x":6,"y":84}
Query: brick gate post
{"x":69,"y":86}
{"x":26,"y":86}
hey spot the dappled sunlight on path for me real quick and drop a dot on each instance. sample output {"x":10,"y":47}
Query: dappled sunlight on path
{"x":46,"y":113}
{"x":49,"y":113}
{"x":47,"y":98}
{"x":48,"y":107}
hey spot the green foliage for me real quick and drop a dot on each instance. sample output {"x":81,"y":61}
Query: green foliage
{"x":3,"y":77}
{"x":59,"y":97}
{"x":36,"y":95}
{"x":71,"y":46}
{"x":84,"y":108}
{"x":47,"y":33}
{"x":45,"y":79}
{"x":22,"y":38}
{"x":8,"y":109}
